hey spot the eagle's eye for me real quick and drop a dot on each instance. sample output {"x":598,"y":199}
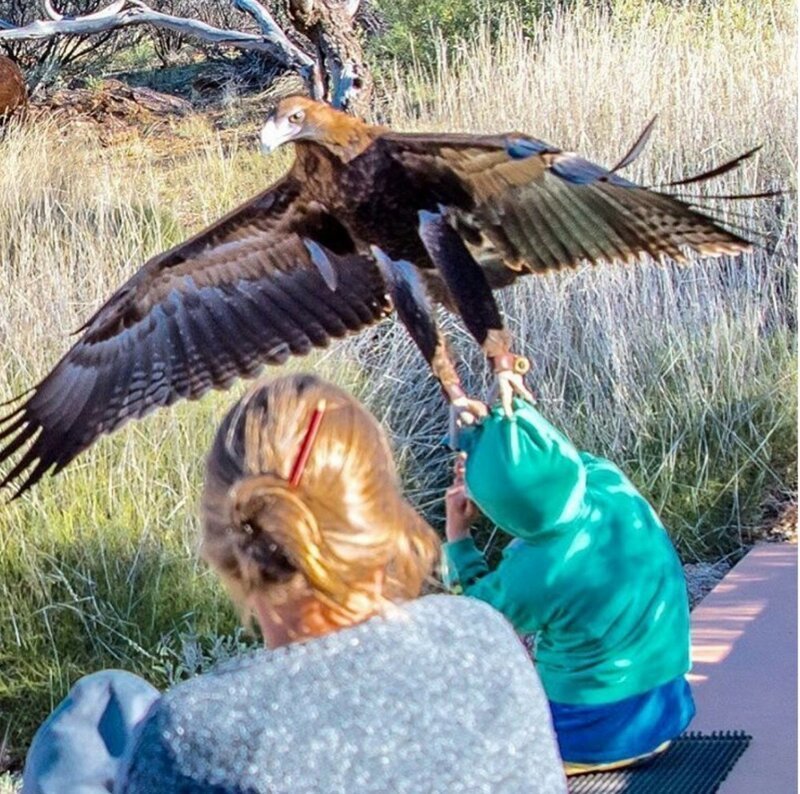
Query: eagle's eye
{"x":296,"y":117}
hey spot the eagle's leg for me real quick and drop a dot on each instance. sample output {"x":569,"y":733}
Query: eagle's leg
{"x":413,"y":307}
{"x":473,"y":297}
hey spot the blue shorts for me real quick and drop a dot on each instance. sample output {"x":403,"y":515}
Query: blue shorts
{"x":626,"y":728}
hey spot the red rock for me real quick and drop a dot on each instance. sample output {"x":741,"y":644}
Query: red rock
{"x":13,"y":93}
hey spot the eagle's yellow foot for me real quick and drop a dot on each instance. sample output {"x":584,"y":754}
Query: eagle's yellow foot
{"x":509,"y":371}
{"x":467,"y":411}
{"x":464,"y":411}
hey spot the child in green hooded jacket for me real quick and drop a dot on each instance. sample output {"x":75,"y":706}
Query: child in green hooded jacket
{"x":591,"y":573}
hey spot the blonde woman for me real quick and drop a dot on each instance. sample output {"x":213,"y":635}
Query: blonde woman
{"x":364,"y":685}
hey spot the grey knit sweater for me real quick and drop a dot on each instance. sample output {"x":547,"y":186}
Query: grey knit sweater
{"x":435,"y":696}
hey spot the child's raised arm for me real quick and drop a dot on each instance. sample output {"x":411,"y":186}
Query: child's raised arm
{"x":527,"y":478}
{"x":460,"y":510}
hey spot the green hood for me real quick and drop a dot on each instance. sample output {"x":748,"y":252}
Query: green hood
{"x":523,"y":474}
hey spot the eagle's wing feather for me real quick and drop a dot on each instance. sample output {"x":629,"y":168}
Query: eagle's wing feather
{"x":243,"y":293}
{"x":525,"y":205}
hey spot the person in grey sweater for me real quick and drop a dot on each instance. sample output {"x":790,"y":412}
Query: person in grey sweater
{"x":365,"y":686}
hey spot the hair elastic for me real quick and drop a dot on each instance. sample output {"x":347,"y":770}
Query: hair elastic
{"x":305,"y":447}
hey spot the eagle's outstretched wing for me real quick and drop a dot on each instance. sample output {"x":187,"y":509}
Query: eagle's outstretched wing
{"x":524,"y":205}
{"x":277,"y":276}
{"x":511,"y":204}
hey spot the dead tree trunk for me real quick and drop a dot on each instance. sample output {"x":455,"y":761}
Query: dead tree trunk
{"x":329,"y":25}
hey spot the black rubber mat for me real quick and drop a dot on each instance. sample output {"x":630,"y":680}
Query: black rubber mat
{"x":695,"y":763}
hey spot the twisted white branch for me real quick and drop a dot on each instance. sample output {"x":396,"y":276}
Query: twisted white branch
{"x":271,"y":29}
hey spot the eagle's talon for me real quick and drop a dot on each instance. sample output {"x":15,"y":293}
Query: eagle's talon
{"x":509,"y":385}
{"x":464,"y":412}
{"x":467,"y":410}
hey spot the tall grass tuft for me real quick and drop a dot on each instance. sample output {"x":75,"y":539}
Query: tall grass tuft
{"x":685,"y":376}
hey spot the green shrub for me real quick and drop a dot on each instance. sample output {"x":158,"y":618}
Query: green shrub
{"x":413,"y":26}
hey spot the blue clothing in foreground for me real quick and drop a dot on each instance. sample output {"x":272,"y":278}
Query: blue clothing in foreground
{"x":77,"y":750}
{"x":399,"y":703}
{"x":624,"y":729}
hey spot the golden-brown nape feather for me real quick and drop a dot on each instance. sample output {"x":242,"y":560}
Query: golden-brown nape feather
{"x":343,"y":134}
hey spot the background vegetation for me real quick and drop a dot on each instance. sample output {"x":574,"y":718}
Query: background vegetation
{"x":685,"y":376}
{"x":412,"y":27}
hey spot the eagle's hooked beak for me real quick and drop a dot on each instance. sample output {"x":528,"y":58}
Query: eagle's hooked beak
{"x":277,"y":132}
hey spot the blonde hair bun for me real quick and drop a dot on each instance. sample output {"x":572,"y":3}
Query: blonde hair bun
{"x":256,"y":504}
{"x":345,"y":520}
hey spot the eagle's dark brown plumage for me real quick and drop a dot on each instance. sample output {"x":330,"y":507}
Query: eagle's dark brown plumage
{"x":316,"y":255}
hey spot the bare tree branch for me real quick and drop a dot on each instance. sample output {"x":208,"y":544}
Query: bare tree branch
{"x":327,"y":24}
{"x":138,"y":13}
{"x":263,"y":17}
{"x":311,"y":71}
{"x":272,"y":30}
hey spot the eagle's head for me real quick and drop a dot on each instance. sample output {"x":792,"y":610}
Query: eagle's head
{"x":298,"y":118}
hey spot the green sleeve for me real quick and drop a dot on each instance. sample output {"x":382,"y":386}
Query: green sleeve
{"x":463,"y":563}
{"x":466,"y":572}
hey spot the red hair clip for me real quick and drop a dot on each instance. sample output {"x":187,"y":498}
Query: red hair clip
{"x":305,"y":447}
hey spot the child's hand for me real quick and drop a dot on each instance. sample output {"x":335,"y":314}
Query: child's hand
{"x":461,"y":512}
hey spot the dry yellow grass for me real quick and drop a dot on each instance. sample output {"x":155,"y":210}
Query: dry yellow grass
{"x":721,"y":76}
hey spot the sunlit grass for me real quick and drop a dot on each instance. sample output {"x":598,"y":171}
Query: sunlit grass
{"x":686,"y":377}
